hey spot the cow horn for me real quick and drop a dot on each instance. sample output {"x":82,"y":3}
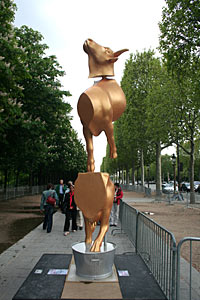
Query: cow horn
{"x":118,"y":53}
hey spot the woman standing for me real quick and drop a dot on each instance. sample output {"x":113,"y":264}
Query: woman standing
{"x":70,"y":210}
{"x":114,"y":215}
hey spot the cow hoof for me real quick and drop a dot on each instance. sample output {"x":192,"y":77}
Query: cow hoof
{"x":90,"y":167}
{"x":113,"y":155}
{"x":95,"y":247}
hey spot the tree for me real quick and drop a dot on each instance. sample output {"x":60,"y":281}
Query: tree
{"x":36,"y":135}
{"x":180,"y":34}
{"x":146,"y":90}
{"x":161,"y":117}
{"x":179,"y":43}
{"x":11,"y":69}
{"x":135,"y":83}
{"x":46,"y":114}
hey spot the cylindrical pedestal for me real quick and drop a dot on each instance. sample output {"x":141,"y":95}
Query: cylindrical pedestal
{"x":94,"y":265}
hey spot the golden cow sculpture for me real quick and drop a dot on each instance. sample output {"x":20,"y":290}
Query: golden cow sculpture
{"x":102,"y":103}
{"x":98,"y":107}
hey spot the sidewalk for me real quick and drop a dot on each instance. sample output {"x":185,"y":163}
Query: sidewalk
{"x":18,"y":261}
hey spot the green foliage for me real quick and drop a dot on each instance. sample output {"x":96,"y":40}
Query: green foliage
{"x":163,"y":104}
{"x":179,"y":43}
{"x":36,"y":134}
{"x":143,"y":123}
{"x":11,"y":67}
{"x":180,"y":34}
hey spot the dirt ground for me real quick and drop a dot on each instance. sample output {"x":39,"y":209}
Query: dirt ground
{"x":19,"y":216}
{"x":179,"y":219}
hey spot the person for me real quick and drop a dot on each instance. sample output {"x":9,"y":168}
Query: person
{"x":79,"y":219}
{"x":47,"y":208}
{"x":60,"y":190}
{"x":115,"y":208}
{"x":79,"y":215}
{"x":69,"y":209}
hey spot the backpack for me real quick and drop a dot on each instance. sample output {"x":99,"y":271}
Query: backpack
{"x":51,"y":200}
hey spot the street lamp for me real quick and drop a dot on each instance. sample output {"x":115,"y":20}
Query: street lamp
{"x":173,"y":157}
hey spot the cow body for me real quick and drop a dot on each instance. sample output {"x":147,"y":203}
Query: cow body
{"x":102,"y":103}
{"x":94,"y":194}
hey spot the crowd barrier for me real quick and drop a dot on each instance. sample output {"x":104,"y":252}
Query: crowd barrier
{"x":15,"y":192}
{"x":190,"y":240}
{"x":155,"y":245}
{"x":157,"y":248}
{"x":136,"y":188}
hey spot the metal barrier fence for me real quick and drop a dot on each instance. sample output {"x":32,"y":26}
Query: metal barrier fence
{"x":14,"y":192}
{"x":155,"y":245}
{"x":178,"y":289}
{"x":128,"y":219}
{"x":136,"y":188}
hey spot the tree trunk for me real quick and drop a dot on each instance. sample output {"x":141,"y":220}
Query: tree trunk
{"x":127,"y":176}
{"x":158,"y":170}
{"x":17,"y":179}
{"x":5,"y":180}
{"x":30,"y":181}
{"x":192,"y":193}
{"x":39,"y":176}
{"x":178,"y":167}
{"x":142,"y":167}
{"x":133,"y":173}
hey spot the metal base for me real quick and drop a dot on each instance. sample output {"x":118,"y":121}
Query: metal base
{"x":94,"y":265}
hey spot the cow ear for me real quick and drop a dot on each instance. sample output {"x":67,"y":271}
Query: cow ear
{"x":112,"y":60}
{"x":118,"y":53}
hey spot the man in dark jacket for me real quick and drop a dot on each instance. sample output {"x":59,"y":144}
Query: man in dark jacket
{"x":60,"y":190}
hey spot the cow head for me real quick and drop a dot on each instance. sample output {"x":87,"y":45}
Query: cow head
{"x":101,"y":59}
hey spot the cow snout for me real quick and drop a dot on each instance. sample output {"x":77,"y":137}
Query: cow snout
{"x":85,"y":47}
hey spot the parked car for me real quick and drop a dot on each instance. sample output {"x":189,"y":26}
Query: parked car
{"x":169,"y":188}
{"x":185,"y":187}
{"x":197,"y":186}
{"x":198,"y":189}
{"x":164,"y":184}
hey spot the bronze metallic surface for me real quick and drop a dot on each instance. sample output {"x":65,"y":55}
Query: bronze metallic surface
{"x":102,"y":103}
{"x":101,"y":59}
{"x":94,"y":194}
{"x":98,"y":107}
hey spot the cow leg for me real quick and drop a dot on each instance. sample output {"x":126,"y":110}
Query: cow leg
{"x":89,"y":229}
{"x":89,"y":147}
{"x":110,"y":137}
{"x":103,"y":229}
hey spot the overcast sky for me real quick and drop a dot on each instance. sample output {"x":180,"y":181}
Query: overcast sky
{"x":66,"y":24}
